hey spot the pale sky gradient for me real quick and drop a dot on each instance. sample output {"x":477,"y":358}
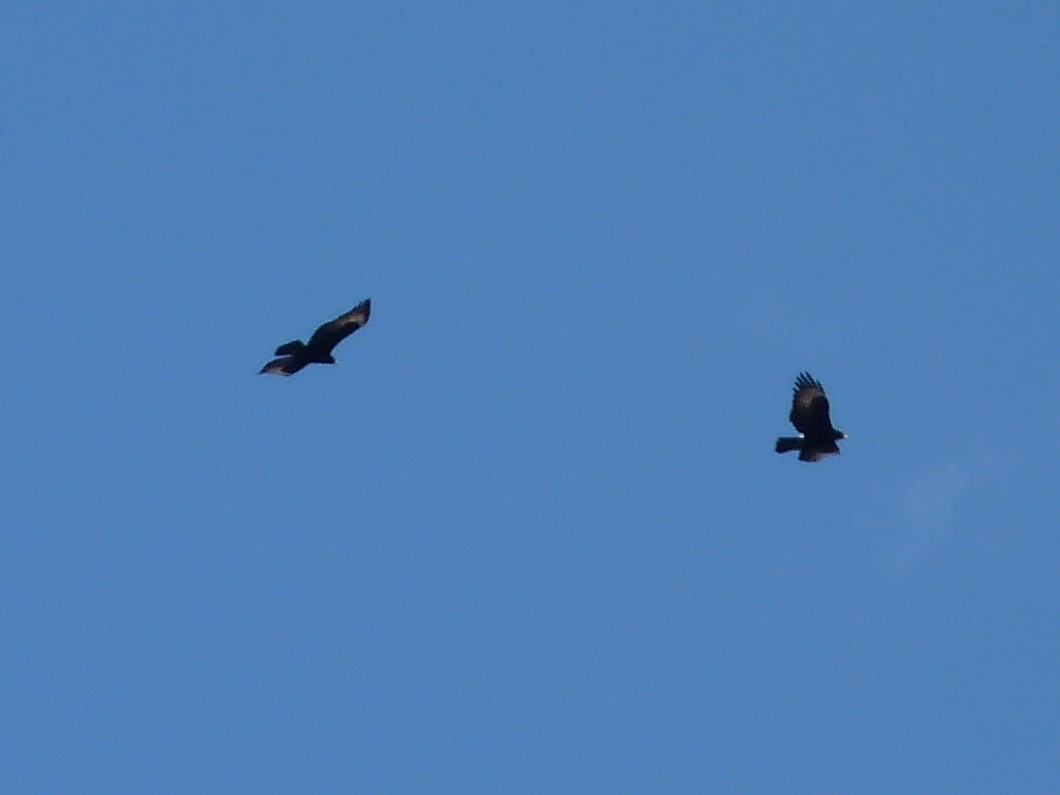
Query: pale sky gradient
{"x":529,"y":536}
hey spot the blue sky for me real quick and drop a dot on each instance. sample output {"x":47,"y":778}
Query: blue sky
{"x":529,"y":536}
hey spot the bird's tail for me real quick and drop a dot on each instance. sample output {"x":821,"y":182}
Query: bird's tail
{"x":290,"y":348}
{"x":787,"y":443}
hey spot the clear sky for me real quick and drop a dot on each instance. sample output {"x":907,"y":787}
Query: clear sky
{"x":529,"y":536}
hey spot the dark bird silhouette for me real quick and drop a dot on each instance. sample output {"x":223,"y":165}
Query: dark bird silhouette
{"x":809,"y":415}
{"x":295,"y":355}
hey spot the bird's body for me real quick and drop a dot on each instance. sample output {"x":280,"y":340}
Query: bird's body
{"x":295,"y":355}
{"x":811,"y":418}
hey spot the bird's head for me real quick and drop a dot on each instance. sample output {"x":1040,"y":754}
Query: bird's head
{"x":839,"y":435}
{"x":331,"y":360}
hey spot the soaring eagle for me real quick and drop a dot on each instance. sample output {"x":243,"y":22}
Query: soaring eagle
{"x":296,"y":354}
{"x":809,"y":415}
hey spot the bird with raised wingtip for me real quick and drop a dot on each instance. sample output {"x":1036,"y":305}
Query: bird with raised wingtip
{"x":295,"y":355}
{"x":811,"y":418}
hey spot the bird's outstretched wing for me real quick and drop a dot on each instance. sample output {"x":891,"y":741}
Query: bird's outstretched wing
{"x":332,"y":333}
{"x":285,"y":365}
{"x":809,"y":406}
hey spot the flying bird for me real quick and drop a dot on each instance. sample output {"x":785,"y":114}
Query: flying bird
{"x":809,"y":415}
{"x":295,"y":355}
